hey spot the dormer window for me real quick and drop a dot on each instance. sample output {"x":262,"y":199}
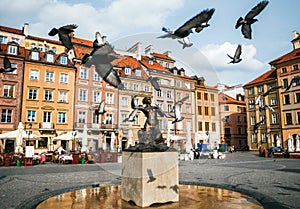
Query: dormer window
{"x":35,"y":55}
{"x":32,"y":46}
{"x":127,"y":70}
{"x":150,"y":62}
{"x":63,"y":60}
{"x":49,"y":57}
{"x":138,"y":72}
{"x":40,"y":48}
{"x":3,"y":39}
{"x":12,"y":49}
{"x":182,"y":73}
{"x":16,"y":40}
{"x":47,"y":48}
{"x":175,"y":72}
{"x":54,"y":50}
{"x":167,"y":65}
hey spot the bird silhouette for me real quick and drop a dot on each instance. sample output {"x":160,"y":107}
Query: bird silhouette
{"x":249,"y":19}
{"x":101,"y":57}
{"x":101,"y":108}
{"x":176,"y":109}
{"x":154,"y":82}
{"x":64,"y":34}
{"x":296,"y":79}
{"x":199,"y":22}
{"x":175,"y":188}
{"x":132,"y":116}
{"x":150,"y":175}
{"x":7,"y":66}
{"x":185,"y":42}
{"x":256,"y":125}
{"x":273,"y":88}
{"x":236,"y":58}
{"x":264,"y":107}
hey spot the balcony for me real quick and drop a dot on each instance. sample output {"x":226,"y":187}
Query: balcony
{"x":45,"y":126}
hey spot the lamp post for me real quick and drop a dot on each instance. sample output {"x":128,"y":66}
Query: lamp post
{"x":28,"y":131}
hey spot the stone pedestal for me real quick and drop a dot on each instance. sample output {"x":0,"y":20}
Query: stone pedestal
{"x":150,"y":177}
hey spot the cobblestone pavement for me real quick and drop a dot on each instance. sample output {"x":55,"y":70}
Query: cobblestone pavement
{"x":275,"y":183}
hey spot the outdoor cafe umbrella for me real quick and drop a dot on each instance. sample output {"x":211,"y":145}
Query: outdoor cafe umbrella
{"x":19,"y":140}
{"x":14,"y":134}
{"x":67,"y":136}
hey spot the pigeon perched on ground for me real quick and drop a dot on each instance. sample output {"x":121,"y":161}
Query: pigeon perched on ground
{"x":154,"y":82}
{"x":64,"y":34}
{"x":101,"y":108}
{"x":250,"y":19}
{"x":199,"y":22}
{"x":256,"y":126}
{"x":236,"y":58}
{"x":176,"y":109}
{"x":294,"y":80}
{"x":7,"y":66}
{"x":101,"y":58}
{"x":273,"y":88}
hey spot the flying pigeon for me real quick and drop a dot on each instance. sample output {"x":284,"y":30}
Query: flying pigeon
{"x":7,"y":66}
{"x":185,"y":42}
{"x":294,"y":80}
{"x":250,"y":19}
{"x":64,"y":34}
{"x":131,"y":117}
{"x":273,"y":88}
{"x":236,"y":58}
{"x":199,"y":22}
{"x":264,"y":107}
{"x":154,"y":82}
{"x":176,"y":109}
{"x":101,"y":58}
{"x":101,"y":110}
{"x":256,"y":126}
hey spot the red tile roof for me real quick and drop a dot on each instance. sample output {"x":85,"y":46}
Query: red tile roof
{"x":269,"y":75}
{"x":155,"y":64}
{"x":76,"y":40}
{"x":125,"y":61}
{"x":225,"y":99}
{"x":44,"y":39}
{"x":11,"y":30}
{"x":162,"y":56}
{"x":295,"y":54}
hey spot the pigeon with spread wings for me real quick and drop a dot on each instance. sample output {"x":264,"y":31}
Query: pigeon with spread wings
{"x":154,"y":82}
{"x":176,"y":109}
{"x":101,"y":108}
{"x":7,"y":66}
{"x":273,"y":88}
{"x":236,"y":58}
{"x":256,"y":126}
{"x":250,"y":19}
{"x":296,"y":79}
{"x":64,"y":34}
{"x":199,"y":22}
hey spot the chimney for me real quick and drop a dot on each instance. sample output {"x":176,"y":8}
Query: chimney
{"x":25,"y":29}
{"x":296,"y":40}
{"x":137,"y":50}
{"x":104,"y":39}
{"x":168,"y":53}
{"x":149,"y":50}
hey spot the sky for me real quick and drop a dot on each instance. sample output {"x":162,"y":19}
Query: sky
{"x":126,"y":22}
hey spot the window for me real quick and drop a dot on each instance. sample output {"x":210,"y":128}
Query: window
{"x":32,"y":94}
{"x":252,"y":120}
{"x":213,"y":127}
{"x":95,"y":118}
{"x":170,"y":108}
{"x":260,"y":89}
{"x":178,"y":83}
{"x":138,"y":72}
{"x":239,"y":119}
{"x":83,"y":73}
{"x":63,"y":96}
{"x":167,"y":65}
{"x":48,"y":96}
{"x":226,"y":108}
{"x":96,"y":96}
{"x":12,"y":49}
{"x":199,"y":110}
{"x":54,"y":50}
{"x":62,"y":117}
{"x":274,"y":118}
{"x":205,"y":110}
{"x":287,"y":99}
{"x":200,"y":126}
{"x":81,"y":117}
{"x":34,"y":75}
{"x":273,"y":101}
{"x":127,"y":70}
{"x":182,"y":73}
{"x":288,"y":119}
{"x":178,"y":95}
{"x":97,"y":77}
{"x":212,"y":97}
{"x":206,"y":126}
{"x":251,"y":104}
{"x":108,"y":119}
{"x":158,"y":93}
{"x":213,"y":111}
{"x":205,"y":96}
{"x":227,"y":132}
{"x":123,"y":116}
{"x":47,"y":48}
{"x":198,"y":95}
{"x":297,"y":98}
{"x":254,"y":138}
{"x":150,"y":62}
{"x":263,"y":137}
{"x":136,"y":121}
{"x":169,"y":94}
{"x":125,"y":85}
{"x":250,"y":91}
{"x":3,"y":39}
{"x":135,"y":87}
{"x":175,"y":72}
{"x":40,"y":47}
{"x":82,"y":95}
{"x":188,"y":109}
{"x":124,"y":101}
{"x":32,"y":46}
{"x":283,"y":70}
{"x":298,"y":117}
{"x":136,"y":101}
{"x":63,"y":60}
{"x":187,"y":85}
{"x":63,"y":78}
{"x":6,"y":116}
{"x":295,"y":67}
{"x":147,"y":88}
{"x":109,"y":98}
{"x":8,"y":91}
{"x":50,"y":58}
{"x":49,"y":76}
{"x":285,"y":83}
{"x":262,"y":102}
{"x":35,"y":55}
{"x":31,"y":116}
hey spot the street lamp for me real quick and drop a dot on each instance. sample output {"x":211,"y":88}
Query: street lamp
{"x":28,"y":131}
